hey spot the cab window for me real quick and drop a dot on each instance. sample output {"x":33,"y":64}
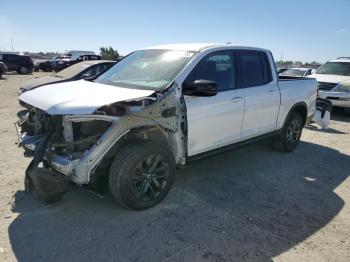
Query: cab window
{"x":217,"y":67}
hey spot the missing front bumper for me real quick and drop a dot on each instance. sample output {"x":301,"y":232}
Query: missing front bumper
{"x":46,"y":184}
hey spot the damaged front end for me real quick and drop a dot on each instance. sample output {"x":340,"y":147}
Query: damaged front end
{"x":49,"y":140}
{"x":68,"y":149}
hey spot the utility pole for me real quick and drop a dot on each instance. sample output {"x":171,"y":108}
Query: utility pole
{"x":12,"y":41}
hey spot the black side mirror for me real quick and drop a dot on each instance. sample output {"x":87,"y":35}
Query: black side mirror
{"x":201,"y":87}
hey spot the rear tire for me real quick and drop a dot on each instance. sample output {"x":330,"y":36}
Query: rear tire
{"x":23,"y":70}
{"x":141,"y":174}
{"x":290,"y":135}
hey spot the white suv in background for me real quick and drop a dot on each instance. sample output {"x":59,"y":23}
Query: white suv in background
{"x":334,"y":82}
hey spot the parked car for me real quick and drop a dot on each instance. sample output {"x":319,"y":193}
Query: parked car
{"x":43,"y":65}
{"x":82,"y":70}
{"x":281,"y":70}
{"x":3,"y":69}
{"x":297,"y":72}
{"x":157,"y":109}
{"x":21,"y":63}
{"x":64,"y":63}
{"x":334,"y":82}
{"x":79,"y":52}
{"x":57,"y":61}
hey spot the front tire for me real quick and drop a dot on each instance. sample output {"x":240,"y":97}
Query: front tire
{"x":141,"y":174}
{"x":290,"y":135}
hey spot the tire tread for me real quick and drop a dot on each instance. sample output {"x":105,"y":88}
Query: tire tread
{"x":123,"y":162}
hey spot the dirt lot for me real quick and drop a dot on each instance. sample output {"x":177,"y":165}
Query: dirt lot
{"x":251,"y":204}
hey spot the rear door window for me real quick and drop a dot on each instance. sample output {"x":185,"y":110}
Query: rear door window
{"x":254,"y":69}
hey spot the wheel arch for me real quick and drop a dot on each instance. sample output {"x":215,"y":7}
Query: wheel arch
{"x":154,"y":133}
{"x":301,"y":109}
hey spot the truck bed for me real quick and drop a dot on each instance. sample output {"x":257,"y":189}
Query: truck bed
{"x":286,"y":78}
{"x":294,"y":90}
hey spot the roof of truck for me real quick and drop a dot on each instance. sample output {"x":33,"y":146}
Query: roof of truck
{"x":197,"y":46}
{"x":341,"y":59}
{"x":183,"y":47}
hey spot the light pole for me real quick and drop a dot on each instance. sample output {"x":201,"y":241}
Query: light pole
{"x":12,"y":41}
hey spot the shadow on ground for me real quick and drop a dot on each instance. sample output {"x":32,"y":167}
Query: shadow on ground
{"x":249,"y":204}
{"x":339,"y":114}
{"x":329,"y":130}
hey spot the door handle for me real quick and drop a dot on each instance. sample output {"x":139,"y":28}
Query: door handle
{"x":271,"y":92}
{"x":236,"y":99}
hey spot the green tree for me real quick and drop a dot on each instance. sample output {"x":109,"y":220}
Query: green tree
{"x":108,"y":53}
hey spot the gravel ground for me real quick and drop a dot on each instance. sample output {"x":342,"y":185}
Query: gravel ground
{"x":251,"y":204}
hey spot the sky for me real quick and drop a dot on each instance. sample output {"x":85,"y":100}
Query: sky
{"x":293,"y":30}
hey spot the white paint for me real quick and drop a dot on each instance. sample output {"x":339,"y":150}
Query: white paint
{"x":329,"y":78}
{"x":214,"y":121}
{"x":78,"y":97}
{"x":261,"y":109}
{"x":184,"y":47}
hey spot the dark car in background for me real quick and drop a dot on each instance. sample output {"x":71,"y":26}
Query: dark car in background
{"x":82,"y":70}
{"x":73,"y":57}
{"x":64,"y":63}
{"x":57,"y":63}
{"x":45,"y":65}
{"x":3,"y":69}
{"x":60,"y":63}
{"x":21,"y":63}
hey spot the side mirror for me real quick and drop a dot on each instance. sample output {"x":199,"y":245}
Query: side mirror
{"x":201,"y":87}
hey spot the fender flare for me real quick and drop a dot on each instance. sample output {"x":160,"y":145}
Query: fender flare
{"x":299,"y":104}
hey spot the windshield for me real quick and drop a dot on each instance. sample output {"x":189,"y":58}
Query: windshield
{"x":335,"y":68}
{"x":72,"y":70}
{"x":293,"y":72}
{"x":146,"y":69}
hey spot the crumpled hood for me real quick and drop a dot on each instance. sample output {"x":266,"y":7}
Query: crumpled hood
{"x":41,"y":81}
{"x":78,"y":97}
{"x":329,"y":78}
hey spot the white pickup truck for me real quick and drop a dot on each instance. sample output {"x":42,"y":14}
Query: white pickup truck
{"x":157,"y":110}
